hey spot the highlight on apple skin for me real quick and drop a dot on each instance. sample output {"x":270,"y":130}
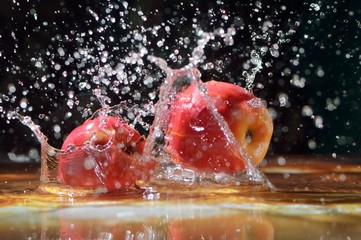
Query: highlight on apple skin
{"x":195,"y":139}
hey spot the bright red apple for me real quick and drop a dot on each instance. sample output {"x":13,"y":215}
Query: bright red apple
{"x":103,"y":152}
{"x":195,"y":139}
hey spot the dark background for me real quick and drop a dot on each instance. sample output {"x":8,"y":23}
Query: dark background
{"x":323,"y":53}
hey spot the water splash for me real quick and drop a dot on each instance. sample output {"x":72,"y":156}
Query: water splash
{"x":49,"y":162}
{"x":176,"y":82}
{"x":27,"y":121}
{"x":169,"y":172}
{"x":104,"y":68}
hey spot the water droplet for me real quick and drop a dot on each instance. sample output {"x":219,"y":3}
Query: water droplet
{"x":312,"y":144}
{"x":274,"y":52}
{"x":315,"y":7}
{"x":281,"y":161}
{"x":307,"y":111}
{"x":318,"y":121}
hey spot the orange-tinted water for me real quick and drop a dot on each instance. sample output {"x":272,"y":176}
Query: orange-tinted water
{"x":317,"y":199}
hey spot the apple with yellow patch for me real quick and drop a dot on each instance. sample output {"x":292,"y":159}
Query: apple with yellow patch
{"x":197,"y":141}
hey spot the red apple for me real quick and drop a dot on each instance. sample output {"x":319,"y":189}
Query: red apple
{"x":103,"y":152}
{"x":195,"y":139}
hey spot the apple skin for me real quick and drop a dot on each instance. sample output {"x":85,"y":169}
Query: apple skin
{"x":195,"y":139}
{"x":103,"y":152}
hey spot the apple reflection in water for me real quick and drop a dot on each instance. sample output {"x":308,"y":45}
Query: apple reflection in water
{"x":236,"y":226}
{"x":228,"y":227}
